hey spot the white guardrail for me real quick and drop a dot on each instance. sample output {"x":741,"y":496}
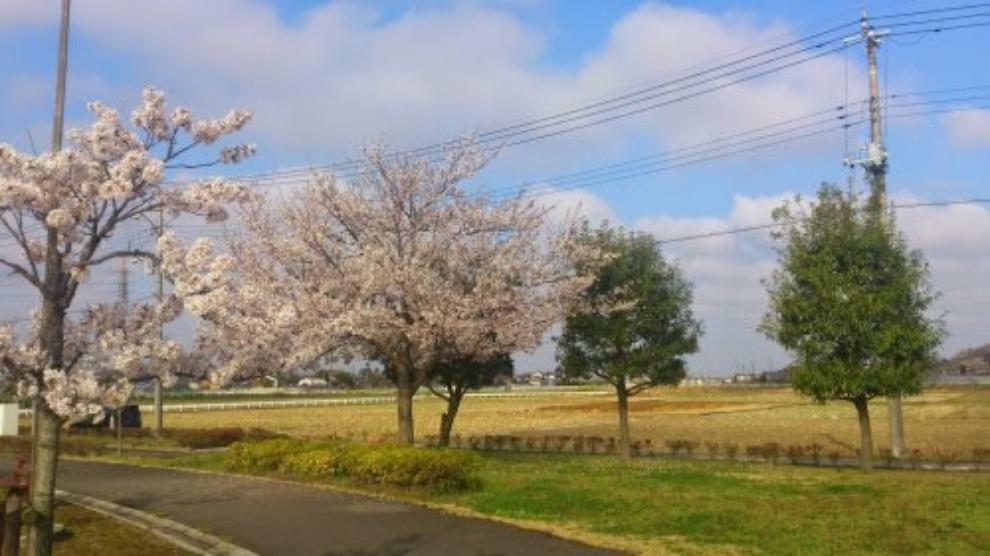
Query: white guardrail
{"x":330,"y":402}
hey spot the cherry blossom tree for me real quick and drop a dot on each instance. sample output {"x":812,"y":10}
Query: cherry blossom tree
{"x":400,"y":265}
{"x":61,"y":209}
{"x":107,"y":349}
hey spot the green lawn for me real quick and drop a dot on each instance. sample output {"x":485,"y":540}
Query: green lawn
{"x":723,"y":507}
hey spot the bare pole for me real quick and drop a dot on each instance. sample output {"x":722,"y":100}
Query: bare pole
{"x":124,"y":294}
{"x":876,"y":154}
{"x":875,"y":164}
{"x":159,"y":425}
{"x":46,"y":425}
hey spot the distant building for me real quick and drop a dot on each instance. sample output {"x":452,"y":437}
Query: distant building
{"x":312,"y":382}
{"x":745,"y":378}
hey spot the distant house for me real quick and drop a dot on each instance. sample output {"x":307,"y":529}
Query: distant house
{"x":745,"y":378}
{"x":968,"y":362}
{"x":312,"y":382}
{"x":705,"y":381}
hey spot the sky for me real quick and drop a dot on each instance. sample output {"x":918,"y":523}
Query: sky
{"x":325,"y":78}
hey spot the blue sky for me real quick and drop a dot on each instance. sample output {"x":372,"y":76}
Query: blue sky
{"x":325,"y":78}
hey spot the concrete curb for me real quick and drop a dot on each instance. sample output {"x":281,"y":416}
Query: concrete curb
{"x":190,"y":539}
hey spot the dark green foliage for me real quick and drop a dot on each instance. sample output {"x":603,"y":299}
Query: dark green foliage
{"x":635,"y":321}
{"x":451,"y":380}
{"x":633,"y":325}
{"x":468,"y":374}
{"x":850,"y":300}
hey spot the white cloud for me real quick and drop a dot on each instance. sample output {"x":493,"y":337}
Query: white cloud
{"x":969,"y":128}
{"x":566,"y":203}
{"x":15,"y":14}
{"x":727,"y":273}
{"x":343,"y":74}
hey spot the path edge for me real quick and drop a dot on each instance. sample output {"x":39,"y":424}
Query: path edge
{"x":183,"y":536}
{"x":563,"y":531}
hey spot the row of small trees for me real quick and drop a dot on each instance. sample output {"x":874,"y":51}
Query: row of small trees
{"x":849,"y":299}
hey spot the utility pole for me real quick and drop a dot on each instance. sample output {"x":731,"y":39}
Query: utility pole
{"x":44,"y":458}
{"x":875,"y":165}
{"x":160,"y":294}
{"x":124,"y":299}
{"x":123,"y":287}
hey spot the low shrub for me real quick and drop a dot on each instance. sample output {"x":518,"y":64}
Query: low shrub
{"x":611,"y":446}
{"x":915,"y":456}
{"x":816,"y":452}
{"x":386,"y":464}
{"x":443,"y":470}
{"x":578,"y":445}
{"x":768,"y":451}
{"x":795,"y":453}
{"x":217,"y":437}
{"x":686,"y":446}
{"x":636,"y":447}
{"x":265,"y":455}
{"x":713,"y":449}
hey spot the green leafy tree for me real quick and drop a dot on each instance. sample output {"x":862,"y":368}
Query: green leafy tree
{"x":451,"y":380}
{"x":851,"y":301}
{"x":634,"y":325}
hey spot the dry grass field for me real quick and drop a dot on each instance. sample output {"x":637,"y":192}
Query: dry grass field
{"x":941,"y":421}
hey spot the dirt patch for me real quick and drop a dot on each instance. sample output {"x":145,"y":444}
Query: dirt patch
{"x":673,"y":407}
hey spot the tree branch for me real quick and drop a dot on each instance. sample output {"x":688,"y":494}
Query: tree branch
{"x":23,"y":272}
{"x":193,"y":166}
{"x":438,"y":393}
{"x":124,"y":253}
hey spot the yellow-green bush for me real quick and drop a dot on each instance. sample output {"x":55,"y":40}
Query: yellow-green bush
{"x":406,"y":466}
{"x":385,"y":464}
{"x":266,"y":455}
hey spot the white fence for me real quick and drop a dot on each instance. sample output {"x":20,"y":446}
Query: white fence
{"x":330,"y":402}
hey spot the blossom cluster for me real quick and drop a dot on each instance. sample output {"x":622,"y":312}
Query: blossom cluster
{"x":112,"y":172}
{"x":108,"y":348}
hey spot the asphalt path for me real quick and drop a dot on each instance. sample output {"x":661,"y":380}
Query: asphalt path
{"x":279,"y":518}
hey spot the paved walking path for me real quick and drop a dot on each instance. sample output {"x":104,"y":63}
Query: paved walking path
{"x":285,"y":519}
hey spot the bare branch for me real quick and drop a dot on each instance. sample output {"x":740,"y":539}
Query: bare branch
{"x":141,"y":253}
{"x":23,"y":272}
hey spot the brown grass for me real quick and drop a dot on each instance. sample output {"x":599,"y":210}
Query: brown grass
{"x":91,"y":533}
{"x":946,"y":420}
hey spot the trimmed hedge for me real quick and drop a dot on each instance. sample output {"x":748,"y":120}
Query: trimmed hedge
{"x":385,"y":464}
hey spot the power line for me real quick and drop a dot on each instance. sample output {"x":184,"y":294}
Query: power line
{"x":641,"y":95}
{"x":771,"y":225}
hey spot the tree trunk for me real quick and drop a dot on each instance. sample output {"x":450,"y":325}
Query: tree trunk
{"x":625,"y":444}
{"x":896,"y":417}
{"x":447,"y":419}
{"x":43,"y":481}
{"x":46,"y":433}
{"x":865,"y":434}
{"x":406,"y":390}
